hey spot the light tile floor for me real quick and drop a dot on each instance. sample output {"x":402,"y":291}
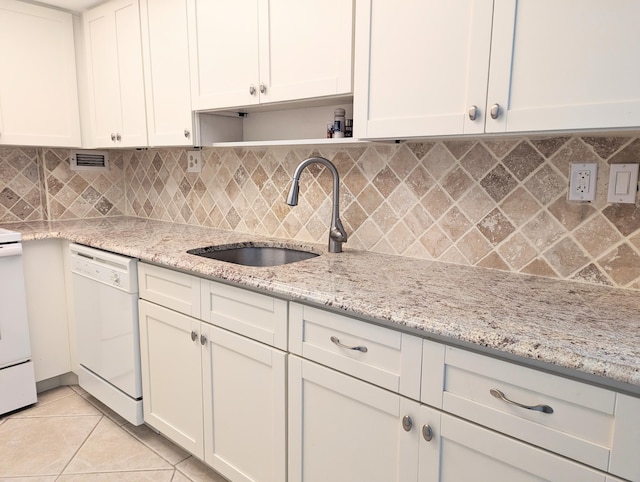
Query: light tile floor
{"x":69,"y":436}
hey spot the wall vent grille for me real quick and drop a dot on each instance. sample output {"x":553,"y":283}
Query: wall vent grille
{"x":89,"y":160}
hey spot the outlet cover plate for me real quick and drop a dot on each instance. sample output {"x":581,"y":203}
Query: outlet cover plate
{"x":582,"y":183}
{"x":194,"y":161}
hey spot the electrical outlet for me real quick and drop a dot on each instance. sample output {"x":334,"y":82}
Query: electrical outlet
{"x":582,"y":183}
{"x":194,"y":161}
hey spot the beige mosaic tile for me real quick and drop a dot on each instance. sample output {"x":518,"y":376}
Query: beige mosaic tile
{"x":496,"y":203}
{"x":21,"y":193}
{"x":622,"y":264}
{"x":566,"y":256}
{"x":82,"y":194}
{"x":522,"y":160}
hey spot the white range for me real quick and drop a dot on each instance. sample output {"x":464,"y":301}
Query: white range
{"x":17,"y":377}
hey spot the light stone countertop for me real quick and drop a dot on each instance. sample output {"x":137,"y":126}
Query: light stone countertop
{"x":587,"y":331}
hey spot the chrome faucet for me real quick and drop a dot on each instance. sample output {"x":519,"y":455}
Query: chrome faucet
{"x":337,"y":234}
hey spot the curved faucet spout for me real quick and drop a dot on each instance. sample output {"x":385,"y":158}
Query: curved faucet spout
{"x":337,"y":234}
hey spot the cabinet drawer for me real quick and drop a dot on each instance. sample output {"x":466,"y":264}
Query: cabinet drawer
{"x":173,"y":289}
{"x":384,"y":357}
{"x":254,"y":315}
{"x":582,"y":421}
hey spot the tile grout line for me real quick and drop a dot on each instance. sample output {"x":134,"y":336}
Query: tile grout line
{"x":80,"y":446}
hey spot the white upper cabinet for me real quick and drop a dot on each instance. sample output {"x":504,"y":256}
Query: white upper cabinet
{"x":251,"y":52}
{"x":438,"y":67}
{"x":165,"y":48}
{"x":38,"y":87}
{"x":564,"y":65}
{"x":117,"y":114}
{"x":419,"y":66}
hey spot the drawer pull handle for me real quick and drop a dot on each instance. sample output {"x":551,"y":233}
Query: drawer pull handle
{"x":361,"y":348}
{"x":538,"y":408}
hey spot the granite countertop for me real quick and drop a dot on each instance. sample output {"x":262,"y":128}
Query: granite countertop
{"x":588,"y":331}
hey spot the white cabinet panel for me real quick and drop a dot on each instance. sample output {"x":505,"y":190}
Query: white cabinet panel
{"x":420,"y":66}
{"x":579,"y":74}
{"x":251,"y":52}
{"x":579,"y":426}
{"x":306,"y":49}
{"x":471,"y":452}
{"x":172,"y":375}
{"x":626,"y":438}
{"x":438,"y":67}
{"x":342,"y":429}
{"x":384,"y":357}
{"x":245,"y":407}
{"x":173,"y":289}
{"x":165,"y":48}
{"x":115,"y":75}
{"x":44,"y":276}
{"x":219,"y":395}
{"x":254,"y":315}
{"x":38,"y":86}
{"x":224,"y":54}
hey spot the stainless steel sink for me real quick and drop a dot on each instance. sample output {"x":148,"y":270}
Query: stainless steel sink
{"x":261,"y":256}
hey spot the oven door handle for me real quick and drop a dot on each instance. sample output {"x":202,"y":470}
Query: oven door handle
{"x":12,"y":249}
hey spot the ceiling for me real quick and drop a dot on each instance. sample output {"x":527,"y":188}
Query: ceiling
{"x":71,"y":5}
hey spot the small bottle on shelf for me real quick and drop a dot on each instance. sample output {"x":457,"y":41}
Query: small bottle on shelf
{"x":338,"y":123}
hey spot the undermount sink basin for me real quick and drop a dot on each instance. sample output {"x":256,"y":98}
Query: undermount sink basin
{"x":261,"y":256}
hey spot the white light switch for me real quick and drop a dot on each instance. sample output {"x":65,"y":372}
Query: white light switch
{"x":623,"y":183}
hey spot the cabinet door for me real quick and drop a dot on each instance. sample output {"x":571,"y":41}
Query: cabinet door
{"x":421,"y":65}
{"x":172,"y":375}
{"x":626,"y":438}
{"x":38,"y":87}
{"x":244,"y":407}
{"x":166,"y":72}
{"x":115,"y":75}
{"x":471,"y":452}
{"x":342,"y":429}
{"x":305,"y":48}
{"x":564,"y":65}
{"x":223,"y":39}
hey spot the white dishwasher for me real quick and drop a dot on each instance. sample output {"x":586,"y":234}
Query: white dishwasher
{"x":105,"y":298}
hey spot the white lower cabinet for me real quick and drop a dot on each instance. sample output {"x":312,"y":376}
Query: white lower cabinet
{"x":469,"y":452}
{"x":357,"y":401}
{"x":172,"y":375}
{"x":218,"y":394}
{"x":342,"y":429}
{"x":245,"y":407}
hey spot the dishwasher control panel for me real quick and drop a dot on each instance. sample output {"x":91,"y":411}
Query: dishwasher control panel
{"x":111,"y":269}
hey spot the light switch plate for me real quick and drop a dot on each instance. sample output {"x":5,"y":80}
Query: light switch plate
{"x":623,"y":183}
{"x":582,"y":183}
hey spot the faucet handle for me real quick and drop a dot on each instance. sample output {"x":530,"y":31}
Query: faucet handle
{"x":337,"y":232}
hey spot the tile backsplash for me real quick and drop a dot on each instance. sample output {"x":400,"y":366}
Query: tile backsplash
{"x":495,"y":203}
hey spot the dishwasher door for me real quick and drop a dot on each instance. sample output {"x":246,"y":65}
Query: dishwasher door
{"x":108,"y":337}
{"x":105,"y":298}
